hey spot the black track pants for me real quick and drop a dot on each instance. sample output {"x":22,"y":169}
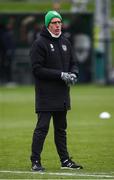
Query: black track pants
{"x":41,"y":130}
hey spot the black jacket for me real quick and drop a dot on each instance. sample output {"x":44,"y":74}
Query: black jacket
{"x":51,"y":56}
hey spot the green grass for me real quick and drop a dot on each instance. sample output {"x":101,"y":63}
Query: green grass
{"x":90,"y":139}
{"x":23,"y":6}
{"x":30,"y":7}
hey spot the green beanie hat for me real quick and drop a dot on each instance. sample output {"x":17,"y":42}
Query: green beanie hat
{"x":50,"y":15}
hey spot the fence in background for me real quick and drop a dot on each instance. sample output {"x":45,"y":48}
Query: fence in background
{"x":77,"y":27}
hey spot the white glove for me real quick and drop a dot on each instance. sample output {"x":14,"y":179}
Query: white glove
{"x":73,"y":78}
{"x":65,"y":76}
{"x":69,"y":78}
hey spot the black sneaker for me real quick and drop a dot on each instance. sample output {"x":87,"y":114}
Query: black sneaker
{"x":69,"y":164}
{"x":36,"y":166}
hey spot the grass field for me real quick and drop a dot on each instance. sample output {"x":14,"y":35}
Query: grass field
{"x":90,"y":139}
{"x":23,"y":6}
{"x":30,"y":7}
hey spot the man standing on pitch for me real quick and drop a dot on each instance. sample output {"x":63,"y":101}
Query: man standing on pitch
{"x":54,"y":69}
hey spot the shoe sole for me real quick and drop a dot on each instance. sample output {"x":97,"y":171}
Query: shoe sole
{"x":71,"y":168}
{"x":37,"y":170}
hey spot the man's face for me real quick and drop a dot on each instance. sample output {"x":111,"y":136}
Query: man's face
{"x":55,"y":26}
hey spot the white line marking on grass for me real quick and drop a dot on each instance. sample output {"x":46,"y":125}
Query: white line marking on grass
{"x":98,"y":175}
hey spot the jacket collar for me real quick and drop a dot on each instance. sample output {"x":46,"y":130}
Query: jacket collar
{"x":46,"y":33}
{"x":53,"y":35}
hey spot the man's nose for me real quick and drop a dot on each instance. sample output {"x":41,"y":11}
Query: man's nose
{"x":57,"y":24}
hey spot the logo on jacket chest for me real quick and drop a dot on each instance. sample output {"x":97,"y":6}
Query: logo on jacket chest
{"x":52,"y":47}
{"x":64,"y":47}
